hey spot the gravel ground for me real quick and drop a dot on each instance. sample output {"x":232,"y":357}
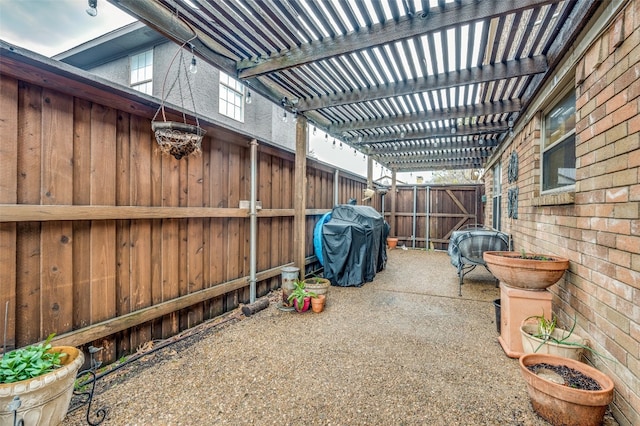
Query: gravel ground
{"x":401,"y":350}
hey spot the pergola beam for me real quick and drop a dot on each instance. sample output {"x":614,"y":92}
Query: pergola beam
{"x":489,"y":108}
{"x":465,"y":130}
{"x":436,"y":20}
{"x":498,"y":71}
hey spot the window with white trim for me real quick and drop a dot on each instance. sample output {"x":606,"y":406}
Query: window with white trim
{"x":231,"y":97}
{"x":559,"y":145}
{"x":141,"y":66}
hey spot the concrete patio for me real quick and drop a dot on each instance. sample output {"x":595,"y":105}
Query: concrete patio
{"x":404,"y":349}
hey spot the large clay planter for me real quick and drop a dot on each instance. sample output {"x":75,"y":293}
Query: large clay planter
{"x":527,"y":274}
{"x":531,"y":344}
{"x":317,"y":303}
{"x":563,"y":405}
{"x":317,"y":285}
{"x":45,"y":399}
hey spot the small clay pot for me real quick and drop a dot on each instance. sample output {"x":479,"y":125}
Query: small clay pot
{"x":392,"y":242}
{"x":317,"y":303}
{"x":305,"y":305}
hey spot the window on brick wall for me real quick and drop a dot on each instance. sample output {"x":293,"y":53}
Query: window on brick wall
{"x":141,"y":66}
{"x":559,"y":145}
{"x":231,"y":97}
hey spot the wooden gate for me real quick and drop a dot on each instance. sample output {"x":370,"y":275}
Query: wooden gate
{"x":426,"y":215}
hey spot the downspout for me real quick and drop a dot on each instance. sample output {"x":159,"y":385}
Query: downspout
{"x":336,"y":186}
{"x":415,"y":216}
{"x":428,"y":211}
{"x":253,"y":222}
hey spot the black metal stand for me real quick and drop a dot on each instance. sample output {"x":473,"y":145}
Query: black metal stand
{"x":86,"y":397}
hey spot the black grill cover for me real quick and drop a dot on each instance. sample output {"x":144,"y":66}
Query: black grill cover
{"x":354,"y":245}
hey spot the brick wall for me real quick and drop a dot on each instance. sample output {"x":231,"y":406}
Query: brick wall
{"x":598,"y":226}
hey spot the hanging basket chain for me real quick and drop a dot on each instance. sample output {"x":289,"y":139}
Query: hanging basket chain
{"x":178,"y":139}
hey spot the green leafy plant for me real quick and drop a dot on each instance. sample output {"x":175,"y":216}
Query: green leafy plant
{"x":524,"y":255}
{"x":300,"y":293}
{"x":27,"y":363}
{"x":546,"y":327}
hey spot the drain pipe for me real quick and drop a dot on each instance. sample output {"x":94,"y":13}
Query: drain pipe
{"x":415,"y":215}
{"x":336,"y":186}
{"x":253,"y":222}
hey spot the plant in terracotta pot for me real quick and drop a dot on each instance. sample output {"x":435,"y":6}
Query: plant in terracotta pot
{"x":528,"y":271}
{"x":317,"y":303}
{"x":301,"y":297}
{"x":564,"y":391}
{"x":36,"y":383}
{"x":541,"y":335}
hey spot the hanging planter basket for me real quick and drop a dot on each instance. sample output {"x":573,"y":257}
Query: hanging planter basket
{"x":178,"y":139}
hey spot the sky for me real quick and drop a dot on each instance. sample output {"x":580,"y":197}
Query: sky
{"x":49,"y":27}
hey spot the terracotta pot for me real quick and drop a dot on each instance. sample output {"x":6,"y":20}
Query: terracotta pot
{"x":305,"y":305}
{"x":317,"y":303}
{"x":45,"y":399}
{"x":528,"y":274}
{"x":531,"y":344}
{"x":563,"y":405}
{"x":392,"y":242}
{"x":317,"y":285}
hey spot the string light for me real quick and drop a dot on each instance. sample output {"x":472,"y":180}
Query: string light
{"x":92,"y":10}
{"x":334,"y":144}
{"x":340,"y":145}
{"x":326,"y":137}
{"x":193,"y":66}
{"x":248,"y":98}
{"x":355,"y":153}
{"x":284,"y":117}
{"x":314,"y":130}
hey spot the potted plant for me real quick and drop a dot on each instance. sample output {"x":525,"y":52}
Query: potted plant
{"x":529,"y":271}
{"x":541,"y":335}
{"x":36,"y":383}
{"x":317,"y":285}
{"x":564,"y":391}
{"x":300,"y":296}
{"x":317,"y":303}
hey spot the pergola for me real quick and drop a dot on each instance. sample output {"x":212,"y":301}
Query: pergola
{"x":416,"y":85}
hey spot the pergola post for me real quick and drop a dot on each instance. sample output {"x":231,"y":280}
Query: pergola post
{"x":392,"y":219}
{"x":300,"y":195}
{"x":369,"y":172}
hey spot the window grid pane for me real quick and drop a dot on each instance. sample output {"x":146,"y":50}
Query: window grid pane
{"x":231,"y":97}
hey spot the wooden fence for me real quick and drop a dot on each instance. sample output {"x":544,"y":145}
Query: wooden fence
{"x":426,"y":215}
{"x":105,"y":241}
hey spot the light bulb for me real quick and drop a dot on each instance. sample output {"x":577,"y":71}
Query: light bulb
{"x":364,"y":157}
{"x":334,"y":144}
{"x":284,"y":117}
{"x":359,"y":138}
{"x":314,"y":130}
{"x":453,"y":130}
{"x":326,"y":138}
{"x":248,"y":98}
{"x":340,"y":145}
{"x":92,"y":10}
{"x":193,"y":67}
{"x":355,"y":152}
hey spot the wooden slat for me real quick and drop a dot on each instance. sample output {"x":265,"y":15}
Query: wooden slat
{"x":141,"y":316}
{"x":8,"y":194}
{"x":29,"y":160}
{"x":56,"y":237}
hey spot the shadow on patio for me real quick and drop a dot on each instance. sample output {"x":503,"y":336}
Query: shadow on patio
{"x":403,"y":349}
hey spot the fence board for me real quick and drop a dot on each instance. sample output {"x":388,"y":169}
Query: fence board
{"x":29,"y":160}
